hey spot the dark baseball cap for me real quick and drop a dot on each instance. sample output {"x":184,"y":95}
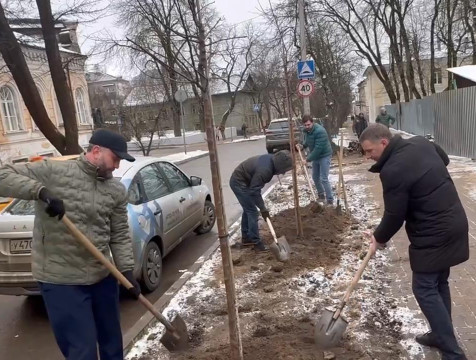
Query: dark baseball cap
{"x":113,"y":141}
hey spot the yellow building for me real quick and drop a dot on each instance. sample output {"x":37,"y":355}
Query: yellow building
{"x":372,"y":93}
{"x":20,"y":139}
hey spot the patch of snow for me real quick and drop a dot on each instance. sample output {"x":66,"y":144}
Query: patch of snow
{"x":173,"y":158}
{"x":251,"y":138}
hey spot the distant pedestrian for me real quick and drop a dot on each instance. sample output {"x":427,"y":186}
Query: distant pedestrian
{"x":247,"y":181}
{"x":217,"y":133}
{"x":80,"y":295}
{"x":418,"y":190}
{"x":384,"y":118}
{"x":320,"y":154}
{"x":244,"y":127}
{"x":360,"y":124}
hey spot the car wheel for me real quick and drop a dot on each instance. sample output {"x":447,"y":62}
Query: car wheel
{"x":209,"y":218}
{"x":151,"y":267}
{"x":270,"y":150}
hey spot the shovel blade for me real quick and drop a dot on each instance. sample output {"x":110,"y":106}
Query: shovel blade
{"x":178,"y":340}
{"x":329,"y":331}
{"x":281,"y":250}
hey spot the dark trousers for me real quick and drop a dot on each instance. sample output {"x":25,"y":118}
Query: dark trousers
{"x":432,"y":293}
{"x":85,"y":317}
{"x":249,"y":218}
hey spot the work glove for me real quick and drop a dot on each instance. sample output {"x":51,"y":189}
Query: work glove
{"x":134,"y":291}
{"x":55,"y":206}
{"x":265,"y":214}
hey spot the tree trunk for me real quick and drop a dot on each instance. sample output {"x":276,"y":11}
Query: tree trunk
{"x":60,"y":82}
{"x":416,"y":53}
{"x":16,"y":63}
{"x":408,"y":57}
{"x":232,"y":306}
{"x":432,"y":46}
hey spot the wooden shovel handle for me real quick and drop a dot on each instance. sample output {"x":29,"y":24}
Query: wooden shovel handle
{"x":114,"y":271}
{"x":306,"y":173}
{"x":354,"y":282}
{"x":271,"y":229}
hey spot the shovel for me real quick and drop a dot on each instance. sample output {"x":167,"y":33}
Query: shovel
{"x":331,"y":325}
{"x":176,"y":334}
{"x":306,"y":173}
{"x":280,"y":247}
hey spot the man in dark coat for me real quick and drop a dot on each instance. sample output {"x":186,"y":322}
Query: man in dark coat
{"x":247,"y":181}
{"x":418,"y":189}
{"x":360,"y":124}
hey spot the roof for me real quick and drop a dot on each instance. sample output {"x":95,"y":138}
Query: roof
{"x":466,"y":71}
{"x":30,"y":41}
{"x":101,"y":77}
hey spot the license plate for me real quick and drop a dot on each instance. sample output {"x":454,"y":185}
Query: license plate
{"x":20,"y":246}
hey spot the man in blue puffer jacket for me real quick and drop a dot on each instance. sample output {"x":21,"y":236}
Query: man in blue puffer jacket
{"x":320,"y":154}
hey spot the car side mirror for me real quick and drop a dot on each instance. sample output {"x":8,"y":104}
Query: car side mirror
{"x":195,"y":181}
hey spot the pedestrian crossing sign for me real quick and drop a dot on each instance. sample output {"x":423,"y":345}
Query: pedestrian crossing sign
{"x":306,"y":69}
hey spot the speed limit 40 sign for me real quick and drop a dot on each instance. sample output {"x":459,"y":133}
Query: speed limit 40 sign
{"x":305,"y":88}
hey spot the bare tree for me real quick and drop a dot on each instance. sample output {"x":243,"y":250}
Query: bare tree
{"x":144,"y":111}
{"x":232,"y":64}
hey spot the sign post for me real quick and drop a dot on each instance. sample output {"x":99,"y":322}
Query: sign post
{"x":181,"y":96}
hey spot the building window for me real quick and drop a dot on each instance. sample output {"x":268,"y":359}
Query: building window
{"x":81,"y":107}
{"x":438,"y":77}
{"x":109,"y":88}
{"x":10,"y":111}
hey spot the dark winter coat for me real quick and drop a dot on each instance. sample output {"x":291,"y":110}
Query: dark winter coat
{"x":386,"y":120}
{"x":360,"y":125}
{"x":418,"y":189}
{"x":254,"y":173}
{"x":318,"y":143}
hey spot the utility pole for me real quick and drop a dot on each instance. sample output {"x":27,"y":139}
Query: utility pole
{"x":302,"y":28}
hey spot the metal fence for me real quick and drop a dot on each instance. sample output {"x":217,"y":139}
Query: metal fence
{"x":455,"y":125}
{"x":449,"y":116}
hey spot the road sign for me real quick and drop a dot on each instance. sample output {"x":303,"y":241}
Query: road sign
{"x":180,"y":95}
{"x":256,"y":107}
{"x":305,"y":88}
{"x":306,"y":69}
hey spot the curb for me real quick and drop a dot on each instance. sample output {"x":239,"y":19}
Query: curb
{"x":143,"y":324}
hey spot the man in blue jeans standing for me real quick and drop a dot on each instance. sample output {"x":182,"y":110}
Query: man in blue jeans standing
{"x":247,"y":181}
{"x":320,"y":154}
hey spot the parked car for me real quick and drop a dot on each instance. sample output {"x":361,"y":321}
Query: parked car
{"x":277,"y":135}
{"x":165,"y":206}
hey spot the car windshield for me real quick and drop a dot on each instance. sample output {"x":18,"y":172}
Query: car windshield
{"x":279,"y":125}
{"x":21,"y":207}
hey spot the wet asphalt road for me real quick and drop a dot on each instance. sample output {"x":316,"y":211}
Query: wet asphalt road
{"x":24,"y":329}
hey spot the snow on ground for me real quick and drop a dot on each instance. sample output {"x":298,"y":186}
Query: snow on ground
{"x":173,"y":158}
{"x":251,"y":138}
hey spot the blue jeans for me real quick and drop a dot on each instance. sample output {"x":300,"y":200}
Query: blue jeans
{"x":320,"y":175}
{"x":249,"y":218}
{"x":432,"y":293}
{"x":85,"y":316}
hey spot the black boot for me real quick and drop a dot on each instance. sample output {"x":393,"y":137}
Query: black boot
{"x":427,"y":339}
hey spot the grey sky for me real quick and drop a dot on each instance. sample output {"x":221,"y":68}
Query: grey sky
{"x":234,"y":11}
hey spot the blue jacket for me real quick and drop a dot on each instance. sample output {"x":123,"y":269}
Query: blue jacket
{"x":318,"y":143}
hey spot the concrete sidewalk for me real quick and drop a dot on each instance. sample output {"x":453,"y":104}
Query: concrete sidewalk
{"x":462,"y":278}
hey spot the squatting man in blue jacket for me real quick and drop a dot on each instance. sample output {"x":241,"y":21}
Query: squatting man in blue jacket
{"x":247,"y":181}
